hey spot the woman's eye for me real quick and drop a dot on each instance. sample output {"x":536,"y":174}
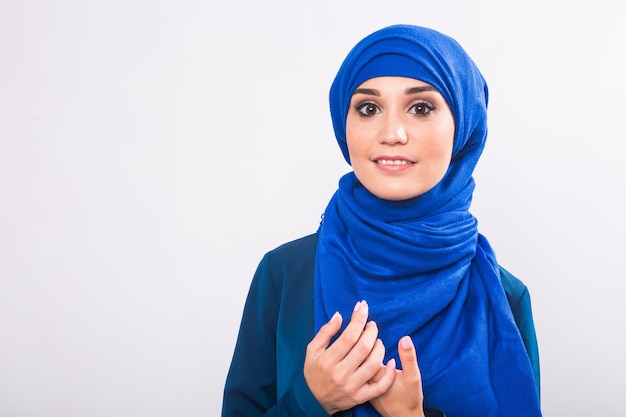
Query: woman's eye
{"x":367,"y":109}
{"x":422,"y":109}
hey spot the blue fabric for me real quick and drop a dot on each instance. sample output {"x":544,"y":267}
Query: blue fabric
{"x":421,"y":264}
{"x":265,"y":377}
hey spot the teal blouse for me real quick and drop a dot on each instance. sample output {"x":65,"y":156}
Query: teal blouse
{"x":266,"y":373}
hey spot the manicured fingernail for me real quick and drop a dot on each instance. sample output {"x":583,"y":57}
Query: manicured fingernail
{"x":392,"y":363}
{"x":364,"y":308}
{"x":357,"y":305}
{"x":406,"y":342}
{"x":334,"y":317}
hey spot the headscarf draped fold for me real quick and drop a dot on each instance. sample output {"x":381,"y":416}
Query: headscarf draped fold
{"x":421,"y":264}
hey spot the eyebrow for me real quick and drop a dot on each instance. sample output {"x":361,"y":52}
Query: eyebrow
{"x":412,"y":90}
{"x":367,"y":91}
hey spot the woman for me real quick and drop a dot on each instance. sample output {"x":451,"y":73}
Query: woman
{"x":397,"y":305}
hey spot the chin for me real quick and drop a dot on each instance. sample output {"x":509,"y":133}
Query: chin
{"x":396,"y":195}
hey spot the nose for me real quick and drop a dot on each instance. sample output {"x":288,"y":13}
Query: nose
{"x":394,"y":130}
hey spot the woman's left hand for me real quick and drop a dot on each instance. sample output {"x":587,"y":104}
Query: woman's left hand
{"x":405,"y":397}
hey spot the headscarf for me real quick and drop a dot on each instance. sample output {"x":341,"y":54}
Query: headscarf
{"x":420,"y":263}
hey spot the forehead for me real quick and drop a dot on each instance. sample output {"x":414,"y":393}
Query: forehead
{"x":393,"y":86}
{"x":392,"y":83}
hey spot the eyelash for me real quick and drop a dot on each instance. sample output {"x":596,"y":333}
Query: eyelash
{"x":361,"y":106}
{"x":429,"y":107}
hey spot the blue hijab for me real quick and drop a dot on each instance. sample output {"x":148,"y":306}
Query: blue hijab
{"x":421,"y":264}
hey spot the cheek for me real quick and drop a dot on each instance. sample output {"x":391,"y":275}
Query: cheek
{"x":351,"y":147}
{"x":448,"y":131}
{"x":445,"y":141}
{"x":355,"y":139}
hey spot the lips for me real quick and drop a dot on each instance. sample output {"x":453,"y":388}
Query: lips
{"x":392,"y":163}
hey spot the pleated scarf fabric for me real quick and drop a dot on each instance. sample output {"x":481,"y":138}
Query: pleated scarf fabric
{"x":421,"y":264}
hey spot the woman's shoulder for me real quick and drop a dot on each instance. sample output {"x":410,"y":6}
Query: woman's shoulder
{"x":519,"y":300}
{"x":514,"y":288}
{"x":294,"y":260}
{"x":304,"y":247}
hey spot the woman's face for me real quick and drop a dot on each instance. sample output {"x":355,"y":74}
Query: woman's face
{"x":400,"y":133}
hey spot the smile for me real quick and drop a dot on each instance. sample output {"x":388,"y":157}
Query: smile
{"x":393,"y":165}
{"x":392,"y":162}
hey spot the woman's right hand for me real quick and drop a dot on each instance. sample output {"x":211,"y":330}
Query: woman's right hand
{"x":339,"y":375}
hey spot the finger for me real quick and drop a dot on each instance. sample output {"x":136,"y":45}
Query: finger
{"x":374,"y":389}
{"x":408,"y":358}
{"x":377,"y":365}
{"x":326,"y":332}
{"x":377,"y":377}
{"x":359,"y":365}
{"x":352,"y":333}
{"x":370,"y":365}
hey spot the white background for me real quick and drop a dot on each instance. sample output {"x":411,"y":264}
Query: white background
{"x":151,"y":152}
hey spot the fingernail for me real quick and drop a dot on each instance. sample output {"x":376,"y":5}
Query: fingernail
{"x":334,"y":317}
{"x":392,"y":362}
{"x":406,"y":342}
{"x":357,"y":305}
{"x":364,"y":308}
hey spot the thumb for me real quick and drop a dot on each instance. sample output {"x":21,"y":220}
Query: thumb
{"x":326,"y":333}
{"x":408,"y":358}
